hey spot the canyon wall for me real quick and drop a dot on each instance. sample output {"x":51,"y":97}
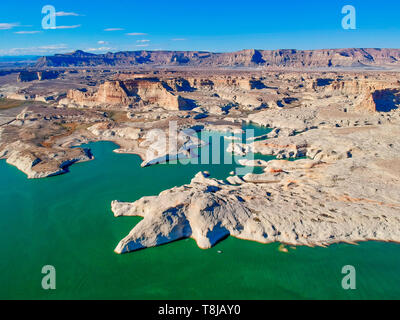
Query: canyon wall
{"x":328,"y":58}
{"x":125,"y":93}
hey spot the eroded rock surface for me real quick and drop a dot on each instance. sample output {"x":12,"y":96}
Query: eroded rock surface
{"x":343,"y":125}
{"x":125,"y":93}
{"x":327,"y":58}
{"x":307,"y":202}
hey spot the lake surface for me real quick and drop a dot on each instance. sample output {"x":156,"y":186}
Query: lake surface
{"x":66,"y":221}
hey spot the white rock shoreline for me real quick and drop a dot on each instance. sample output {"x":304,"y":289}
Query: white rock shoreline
{"x":208,"y":210}
{"x":347,"y":190}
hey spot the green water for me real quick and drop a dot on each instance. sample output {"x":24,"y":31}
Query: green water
{"x":66,"y":221}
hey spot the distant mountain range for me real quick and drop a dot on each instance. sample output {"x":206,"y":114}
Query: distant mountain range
{"x":326,"y":58}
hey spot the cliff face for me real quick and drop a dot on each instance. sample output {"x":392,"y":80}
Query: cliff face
{"x":328,"y":58}
{"x":373,"y":95}
{"x":221,"y":92}
{"x":113,"y":92}
{"x":122,"y":93}
{"x":26,"y":76}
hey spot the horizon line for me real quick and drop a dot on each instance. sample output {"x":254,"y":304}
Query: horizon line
{"x":201,"y":51}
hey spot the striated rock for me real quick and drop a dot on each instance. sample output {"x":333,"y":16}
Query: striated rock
{"x":38,"y":163}
{"x":125,"y":93}
{"x":327,"y":58}
{"x":367,"y":104}
{"x":348,"y":191}
{"x":170,"y":218}
{"x":345,"y":123}
{"x":313,"y":209}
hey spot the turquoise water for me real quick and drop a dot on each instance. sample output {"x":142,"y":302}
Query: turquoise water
{"x":66,"y":221}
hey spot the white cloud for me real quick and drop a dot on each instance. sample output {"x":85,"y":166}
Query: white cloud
{"x":142,"y":45}
{"x":8,"y":26}
{"x":66,"y":27}
{"x":114,"y":29}
{"x":46,"y":49}
{"x":102,"y":42}
{"x":136,"y":34}
{"x":66,"y":14}
{"x":27,"y":32}
{"x":178,"y":39}
{"x":143,"y":40}
{"x":99,"y":49}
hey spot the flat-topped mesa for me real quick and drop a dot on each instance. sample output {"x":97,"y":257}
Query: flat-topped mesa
{"x":356,"y":86}
{"x":110,"y":93}
{"x":369,"y":93}
{"x":113,"y":93}
{"x":289,"y":58}
{"x":124,"y":93}
{"x":27,"y":76}
{"x":252,"y":91}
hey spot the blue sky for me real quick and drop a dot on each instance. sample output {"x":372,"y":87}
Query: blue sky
{"x":217,"y":25}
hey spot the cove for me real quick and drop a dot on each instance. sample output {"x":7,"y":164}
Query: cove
{"x":66,"y":221}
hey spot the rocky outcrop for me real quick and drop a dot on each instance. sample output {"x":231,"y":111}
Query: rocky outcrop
{"x":343,"y":124}
{"x":154,"y":147}
{"x":342,"y":194}
{"x":327,"y":58}
{"x":125,"y":93}
{"x":368,"y":103}
{"x":27,"y":76}
{"x":40,"y":163}
{"x":368,"y":92}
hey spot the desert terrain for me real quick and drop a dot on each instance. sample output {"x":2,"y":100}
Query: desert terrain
{"x":336,"y":113}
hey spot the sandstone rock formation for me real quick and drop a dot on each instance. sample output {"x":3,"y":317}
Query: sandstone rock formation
{"x":343,"y":125}
{"x":26,"y":76}
{"x":40,"y":163}
{"x":344,"y":193}
{"x":273,"y":58}
{"x":125,"y":93}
